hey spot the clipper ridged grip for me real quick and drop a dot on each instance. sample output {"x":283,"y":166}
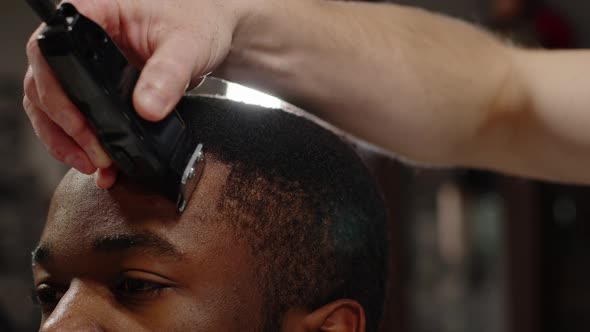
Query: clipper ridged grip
{"x":45,"y":9}
{"x":99,"y":80}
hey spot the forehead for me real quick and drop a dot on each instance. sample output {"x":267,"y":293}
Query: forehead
{"x":97,"y":235}
{"x":80,"y":211}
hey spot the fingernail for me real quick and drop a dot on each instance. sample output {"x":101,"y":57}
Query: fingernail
{"x":152,"y":102}
{"x":99,"y":156}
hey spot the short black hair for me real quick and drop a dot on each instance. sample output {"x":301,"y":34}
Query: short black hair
{"x":305,"y":203}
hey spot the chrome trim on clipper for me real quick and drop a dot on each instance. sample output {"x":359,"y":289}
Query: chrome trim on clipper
{"x":190,"y":178}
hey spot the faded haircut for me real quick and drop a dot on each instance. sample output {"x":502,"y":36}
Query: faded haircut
{"x":304,"y":202}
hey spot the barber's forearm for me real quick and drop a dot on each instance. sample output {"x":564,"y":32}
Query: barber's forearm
{"x":419,"y":84}
{"x":549,"y":136}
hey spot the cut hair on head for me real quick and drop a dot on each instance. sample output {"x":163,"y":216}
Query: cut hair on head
{"x":304,"y":203}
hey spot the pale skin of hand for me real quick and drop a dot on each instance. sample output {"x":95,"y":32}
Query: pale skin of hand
{"x":427,"y":87}
{"x":174,"y":41}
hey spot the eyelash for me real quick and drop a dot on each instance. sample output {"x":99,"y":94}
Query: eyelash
{"x":127,"y":289}
{"x":47,"y":297}
{"x":138,"y":289}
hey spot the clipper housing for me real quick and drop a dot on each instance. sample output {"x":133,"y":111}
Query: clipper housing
{"x":99,"y":80}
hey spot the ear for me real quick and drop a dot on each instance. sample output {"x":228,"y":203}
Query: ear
{"x":338,"y":316}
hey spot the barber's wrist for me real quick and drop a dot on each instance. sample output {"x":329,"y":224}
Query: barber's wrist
{"x":262,"y":41}
{"x":252,"y":25}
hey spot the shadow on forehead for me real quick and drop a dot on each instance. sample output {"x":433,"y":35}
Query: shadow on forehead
{"x":78,"y":199}
{"x":129,"y":202}
{"x":80,"y":214}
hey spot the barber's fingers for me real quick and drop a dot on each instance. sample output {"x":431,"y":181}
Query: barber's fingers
{"x":60,"y":110}
{"x":30,"y":88}
{"x":58,"y":143}
{"x":105,"y":13}
{"x":106,"y":177}
{"x":165,"y":78}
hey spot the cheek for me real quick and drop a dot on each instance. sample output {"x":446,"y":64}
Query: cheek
{"x":174,"y":313}
{"x":214,"y":309}
{"x":223,"y":287}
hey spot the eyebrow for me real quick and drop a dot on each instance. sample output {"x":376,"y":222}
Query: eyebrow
{"x":145,"y":242}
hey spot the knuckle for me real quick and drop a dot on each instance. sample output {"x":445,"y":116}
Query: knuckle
{"x":56,"y":110}
{"x":38,"y":126}
{"x":50,"y":103}
{"x":44,"y":97}
{"x":56,"y":152}
{"x":29,"y":87}
{"x":27,"y":104}
{"x":170,"y":67}
{"x":29,"y":80}
{"x":32,"y":47}
{"x":76,"y":125}
{"x":34,"y":117}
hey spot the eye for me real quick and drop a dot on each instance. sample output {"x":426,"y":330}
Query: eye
{"x":47,"y":297}
{"x":134,"y":286}
{"x":135,"y":289}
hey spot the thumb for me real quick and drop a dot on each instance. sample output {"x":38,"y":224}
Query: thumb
{"x":164,"y":79}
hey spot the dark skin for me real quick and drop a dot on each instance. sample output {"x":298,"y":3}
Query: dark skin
{"x":125,"y":260}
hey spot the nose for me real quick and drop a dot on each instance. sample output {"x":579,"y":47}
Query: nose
{"x":82,"y":308}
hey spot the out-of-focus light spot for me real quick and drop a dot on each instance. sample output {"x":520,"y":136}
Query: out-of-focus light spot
{"x":450,"y":217}
{"x":250,"y":96}
{"x":565,"y":211}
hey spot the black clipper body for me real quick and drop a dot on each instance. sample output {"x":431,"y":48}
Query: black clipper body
{"x":100,"y":81}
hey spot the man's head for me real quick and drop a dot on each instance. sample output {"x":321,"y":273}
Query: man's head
{"x":285,"y":231}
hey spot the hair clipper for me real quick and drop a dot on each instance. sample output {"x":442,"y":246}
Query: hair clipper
{"x":100,"y":81}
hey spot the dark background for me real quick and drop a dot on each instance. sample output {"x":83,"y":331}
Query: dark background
{"x":472,"y":251}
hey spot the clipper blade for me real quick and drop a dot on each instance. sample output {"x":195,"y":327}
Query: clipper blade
{"x":190,"y":178}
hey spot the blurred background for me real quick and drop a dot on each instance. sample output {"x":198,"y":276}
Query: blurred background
{"x":472,"y":251}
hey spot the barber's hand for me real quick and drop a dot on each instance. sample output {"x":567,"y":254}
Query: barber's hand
{"x":176,"y":42}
